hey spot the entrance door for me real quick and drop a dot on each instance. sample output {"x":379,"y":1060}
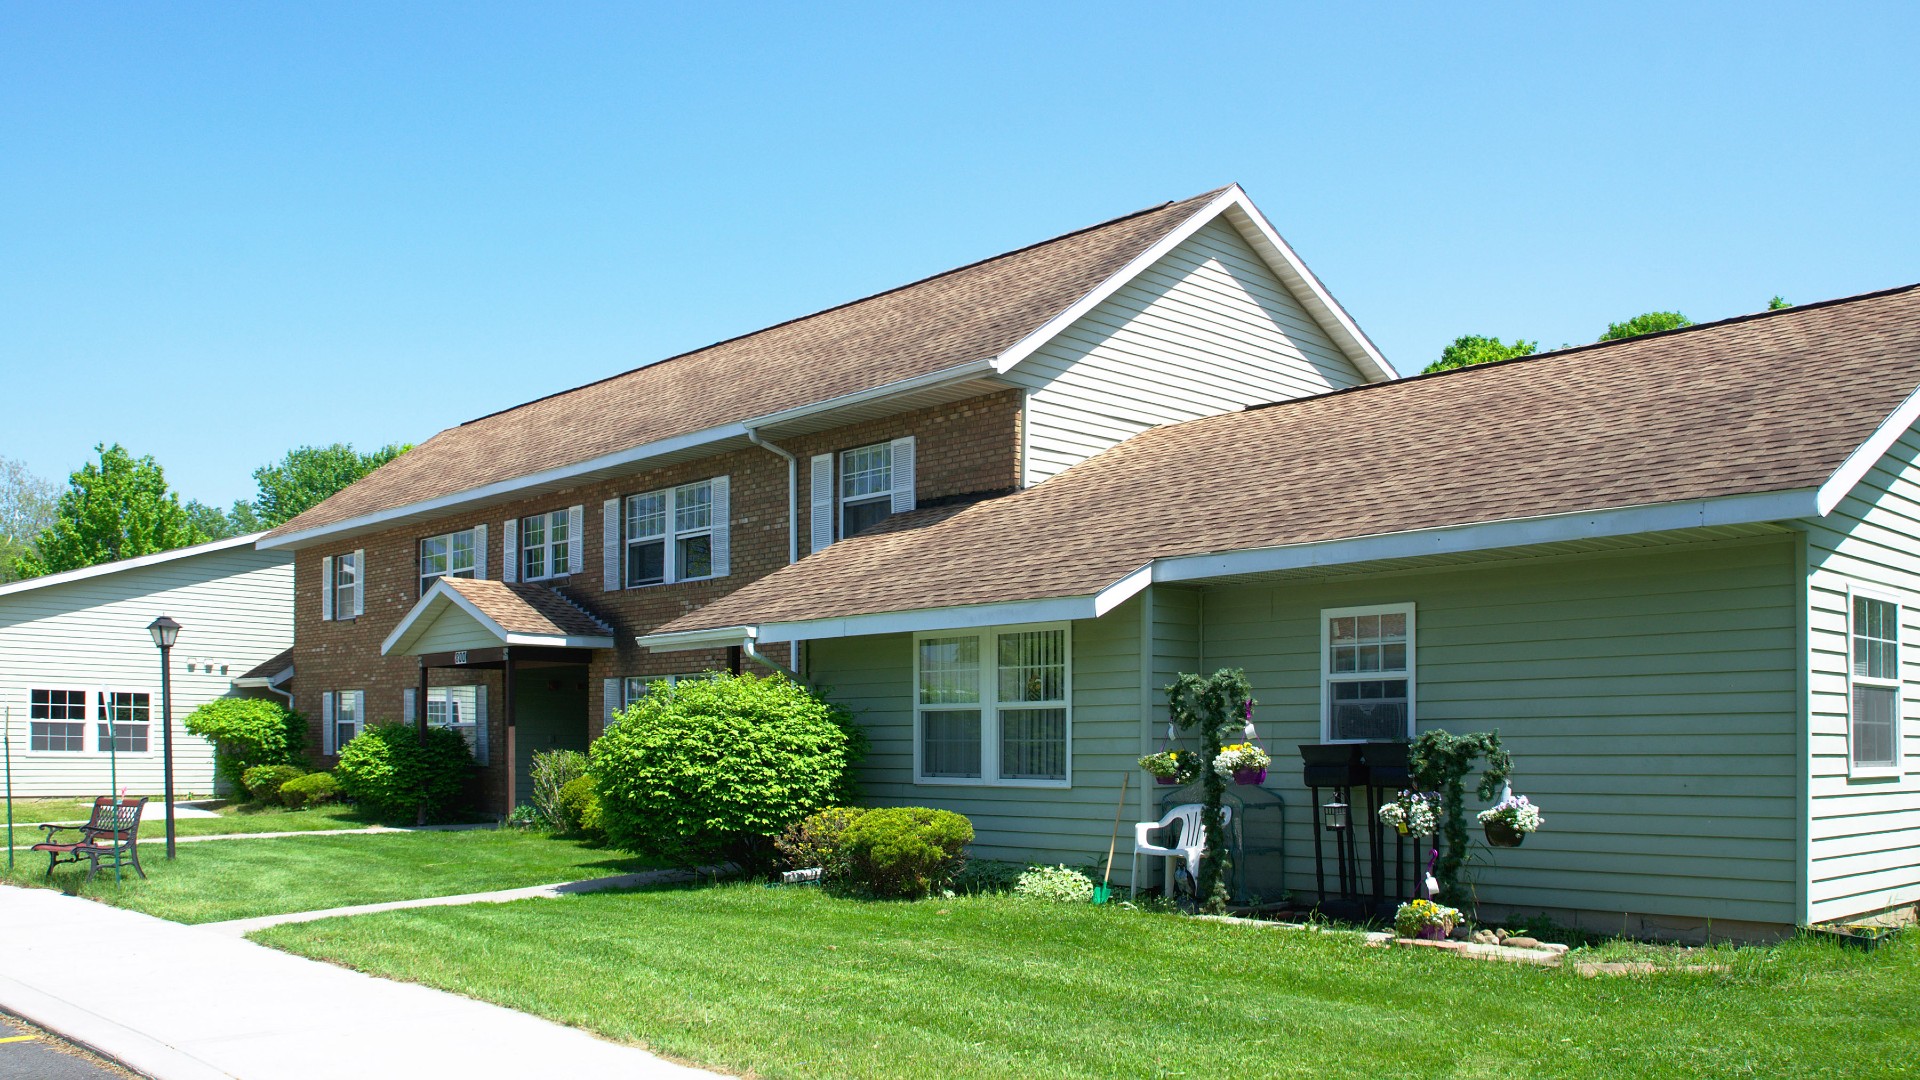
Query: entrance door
{"x":550,"y":713}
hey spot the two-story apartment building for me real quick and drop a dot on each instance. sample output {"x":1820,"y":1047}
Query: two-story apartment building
{"x":497,"y":575}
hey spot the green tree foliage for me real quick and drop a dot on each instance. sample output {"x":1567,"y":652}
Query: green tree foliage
{"x":115,"y":508}
{"x":306,"y":476}
{"x":248,"y":732}
{"x":716,"y":768}
{"x":1778,"y":303}
{"x":1470,"y":349}
{"x":387,"y":769}
{"x":1212,"y":705}
{"x":26,"y":509}
{"x":1440,"y":761}
{"x":1652,"y":322}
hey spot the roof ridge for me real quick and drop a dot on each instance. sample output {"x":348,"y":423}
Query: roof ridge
{"x":1569,"y":350}
{"x":858,"y":300}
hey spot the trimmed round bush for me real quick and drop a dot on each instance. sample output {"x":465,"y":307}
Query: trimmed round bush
{"x":386,"y":769}
{"x":551,"y":771}
{"x":578,"y":805}
{"x":246,"y":732}
{"x":311,"y":789}
{"x":816,"y":840}
{"x":906,"y":851}
{"x":263,"y":782}
{"x":715,"y":768}
{"x":1057,"y":884}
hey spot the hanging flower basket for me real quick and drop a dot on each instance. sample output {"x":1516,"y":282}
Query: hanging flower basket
{"x":1244,"y":762}
{"x":1250,"y":776}
{"x":1509,"y":821}
{"x":1172,"y":767}
{"x":1501,"y":834}
{"x":1413,"y":813}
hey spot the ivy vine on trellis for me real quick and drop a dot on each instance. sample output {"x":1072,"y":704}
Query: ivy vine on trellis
{"x":1212,"y":704}
{"x":1440,"y":761}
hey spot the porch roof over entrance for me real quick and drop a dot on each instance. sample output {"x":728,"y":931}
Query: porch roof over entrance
{"x":467,"y":613}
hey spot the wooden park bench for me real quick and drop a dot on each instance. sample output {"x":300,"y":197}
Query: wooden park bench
{"x":113,"y":834}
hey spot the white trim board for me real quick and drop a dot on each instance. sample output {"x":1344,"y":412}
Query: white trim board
{"x":441,"y":595}
{"x":1867,"y":454}
{"x":134,"y":563}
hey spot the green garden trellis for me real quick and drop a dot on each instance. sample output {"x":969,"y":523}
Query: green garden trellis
{"x":6,"y":738}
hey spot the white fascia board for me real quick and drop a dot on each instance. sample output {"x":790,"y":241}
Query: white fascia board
{"x":556,"y":641}
{"x":1268,"y":242}
{"x":1055,"y":609}
{"x":134,"y":563}
{"x":1123,"y":590}
{"x":1867,"y":454}
{"x":1623,"y":521}
{"x":437,"y":598}
{"x":689,"y":640}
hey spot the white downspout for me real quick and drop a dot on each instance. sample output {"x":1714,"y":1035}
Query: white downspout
{"x":751,"y":652}
{"x":793,"y":494}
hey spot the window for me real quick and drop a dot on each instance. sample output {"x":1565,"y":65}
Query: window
{"x":866,"y":487}
{"x":670,"y":535}
{"x":340,"y":718}
{"x":638,"y":685}
{"x":57,"y":721}
{"x":1366,"y":673}
{"x":129,"y":715}
{"x":346,"y":585}
{"x":458,"y":707}
{"x":545,"y":546}
{"x":992,"y":707}
{"x":451,"y":555}
{"x":1874,"y":684}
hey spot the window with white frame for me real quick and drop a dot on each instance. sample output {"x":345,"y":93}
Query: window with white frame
{"x":447,"y":555}
{"x":669,"y":535}
{"x":544,"y":546}
{"x":1366,"y":673}
{"x":1874,"y":683}
{"x":57,"y":721}
{"x":866,"y":487}
{"x":345,"y":584}
{"x":343,"y":719}
{"x":992,"y":707}
{"x":637,"y":686}
{"x":123,"y":722}
{"x":457,"y":707}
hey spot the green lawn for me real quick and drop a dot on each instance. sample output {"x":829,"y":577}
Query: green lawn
{"x":236,"y":879}
{"x":794,"y":983}
{"x":234,"y":818}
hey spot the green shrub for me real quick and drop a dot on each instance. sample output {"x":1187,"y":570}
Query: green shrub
{"x":1057,"y":884}
{"x":526,"y":817}
{"x":263,"y":781}
{"x":246,"y":732}
{"x":552,"y":770}
{"x":311,"y":789}
{"x":716,"y":768}
{"x":816,"y":840}
{"x":579,"y":808}
{"x":988,"y":876}
{"x":906,"y":851}
{"x":386,"y":769}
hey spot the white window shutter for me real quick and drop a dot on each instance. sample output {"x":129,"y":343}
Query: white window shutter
{"x":480,"y":551}
{"x":359,"y":711}
{"x":576,"y":547}
{"x":326,"y":723}
{"x":610,"y":546}
{"x":722,"y":526}
{"x":820,"y":477}
{"x":480,"y":724}
{"x":407,"y":706}
{"x":903,"y":475}
{"x":611,"y":691}
{"x":326,"y":589}
{"x":359,"y":582}
{"x":510,"y":550}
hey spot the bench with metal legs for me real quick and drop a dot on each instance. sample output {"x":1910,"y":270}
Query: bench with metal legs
{"x":111,"y":834}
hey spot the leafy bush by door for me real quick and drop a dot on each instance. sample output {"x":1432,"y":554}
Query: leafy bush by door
{"x":387,"y":769}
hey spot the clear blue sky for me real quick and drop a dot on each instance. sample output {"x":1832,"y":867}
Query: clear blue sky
{"x":226,"y":230}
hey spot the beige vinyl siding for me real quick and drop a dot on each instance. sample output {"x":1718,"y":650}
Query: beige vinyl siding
{"x":1206,"y":329}
{"x":454,"y":630}
{"x":1649,"y":700}
{"x":874,"y":677}
{"x":1864,"y":834}
{"x":235,"y":607}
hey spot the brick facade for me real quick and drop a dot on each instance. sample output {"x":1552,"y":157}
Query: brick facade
{"x":966,"y":447}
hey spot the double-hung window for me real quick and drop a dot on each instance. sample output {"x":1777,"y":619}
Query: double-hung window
{"x":346,"y":585}
{"x":1366,"y":673}
{"x":462,"y":708}
{"x":57,"y":721}
{"x":545,"y":546}
{"x":1874,"y":687}
{"x":637,"y":686}
{"x":342,"y":713}
{"x":993,"y":707}
{"x":123,"y":722}
{"x":866,"y":487}
{"x":447,"y":555}
{"x":853,"y":490}
{"x":670,"y":535}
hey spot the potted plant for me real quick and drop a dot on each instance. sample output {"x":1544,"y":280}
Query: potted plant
{"x":1244,"y":762}
{"x":1425,"y":920}
{"x":1413,"y":813}
{"x":1508,"y":821}
{"x":1172,"y":766}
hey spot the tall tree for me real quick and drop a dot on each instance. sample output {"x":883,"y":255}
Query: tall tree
{"x":26,"y":508}
{"x":1470,"y":349}
{"x":210,"y":522}
{"x":1651,"y":323}
{"x":114,"y":508}
{"x":1778,"y":303}
{"x":309,"y":474}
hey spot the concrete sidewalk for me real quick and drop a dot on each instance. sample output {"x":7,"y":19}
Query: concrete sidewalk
{"x":177,"y":1003}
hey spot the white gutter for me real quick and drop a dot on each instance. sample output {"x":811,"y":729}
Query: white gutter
{"x":793,"y":493}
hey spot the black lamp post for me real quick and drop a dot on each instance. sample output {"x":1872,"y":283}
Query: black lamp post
{"x":165,"y":632}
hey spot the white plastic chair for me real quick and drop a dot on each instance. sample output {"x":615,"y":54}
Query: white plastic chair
{"x":1188,"y":848}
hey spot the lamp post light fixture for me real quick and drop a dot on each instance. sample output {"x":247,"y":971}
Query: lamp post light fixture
{"x":1333,"y":816}
{"x":165,"y":632}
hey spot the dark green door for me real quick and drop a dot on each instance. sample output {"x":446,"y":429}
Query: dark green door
{"x":550,"y":713}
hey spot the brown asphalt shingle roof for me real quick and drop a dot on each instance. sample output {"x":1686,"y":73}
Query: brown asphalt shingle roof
{"x":1763,"y":403}
{"x":941,"y":322}
{"x":523,"y":608}
{"x":268,"y":668}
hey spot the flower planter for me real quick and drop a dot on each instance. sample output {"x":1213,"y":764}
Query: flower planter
{"x":1250,"y":776}
{"x":1501,"y":834}
{"x":1167,"y":780}
{"x":1437,"y":932}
